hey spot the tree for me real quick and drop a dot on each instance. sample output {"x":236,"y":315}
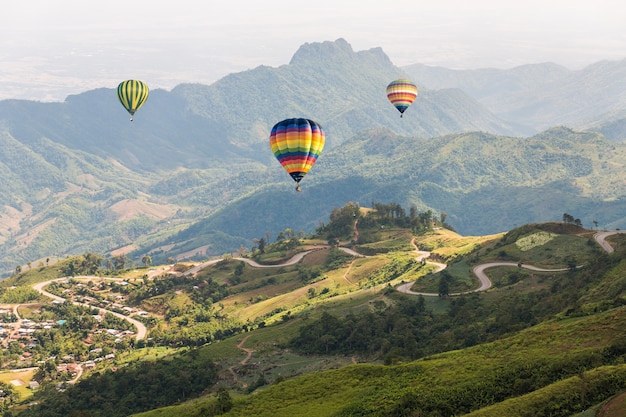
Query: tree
{"x":91,"y":263}
{"x":239,"y":269}
{"x":146,"y":260}
{"x":571,"y":263}
{"x":444,"y":285}
{"x":261,"y":244}
{"x":121,"y":262}
{"x":224,"y":401}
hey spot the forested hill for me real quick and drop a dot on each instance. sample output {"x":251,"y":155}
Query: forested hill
{"x":483,"y":183}
{"x":200,"y":126}
{"x":194,"y":173}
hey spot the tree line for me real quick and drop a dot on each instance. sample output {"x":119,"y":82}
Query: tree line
{"x":343,"y":220}
{"x":142,"y":386}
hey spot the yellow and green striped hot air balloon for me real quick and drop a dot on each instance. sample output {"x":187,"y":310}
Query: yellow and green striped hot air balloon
{"x":132,"y":95}
{"x":297,"y":143}
{"x":401,"y":93}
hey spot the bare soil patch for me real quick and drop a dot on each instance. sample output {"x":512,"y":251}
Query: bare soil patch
{"x":615,"y":407}
{"x":127,"y":209}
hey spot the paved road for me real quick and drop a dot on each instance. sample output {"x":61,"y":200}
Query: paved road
{"x":292,"y":261}
{"x":485,"y":282}
{"x":600,"y":237}
{"x":479,"y":271}
{"x":421,"y":256}
{"x":295,"y":259}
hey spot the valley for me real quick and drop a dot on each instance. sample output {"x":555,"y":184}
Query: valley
{"x":131,"y":288}
{"x":274,"y":316}
{"x":487,"y":148}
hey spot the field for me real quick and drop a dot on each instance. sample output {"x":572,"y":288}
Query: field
{"x":19,"y":379}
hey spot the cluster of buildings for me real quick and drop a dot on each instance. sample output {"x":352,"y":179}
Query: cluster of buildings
{"x":23,"y":332}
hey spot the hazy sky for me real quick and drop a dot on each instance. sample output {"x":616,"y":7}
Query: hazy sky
{"x":52,"y":48}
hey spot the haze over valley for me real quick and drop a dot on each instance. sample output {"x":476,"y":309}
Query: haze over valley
{"x":194,"y":172}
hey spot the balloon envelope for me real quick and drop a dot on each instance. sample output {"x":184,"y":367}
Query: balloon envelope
{"x":297,"y":143}
{"x":401,"y":93}
{"x":132,"y":94}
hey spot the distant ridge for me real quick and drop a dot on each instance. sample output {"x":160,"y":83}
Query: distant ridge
{"x":195,"y":170}
{"x":540,"y":96}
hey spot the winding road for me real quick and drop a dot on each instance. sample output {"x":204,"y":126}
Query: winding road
{"x":600,"y":237}
{"x":479,"y":270}
{"x":292,"y":261}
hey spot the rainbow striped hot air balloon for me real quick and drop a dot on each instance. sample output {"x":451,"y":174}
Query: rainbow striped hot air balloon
{"x":401,"y":93}
{"x":296,"y":144}
{"x":132,"y":95}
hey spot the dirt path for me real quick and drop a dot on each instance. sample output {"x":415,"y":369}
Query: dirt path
{"x":247,"y":350}
{"x":345,"y":275}
{"x":243,"y":361}
{"x":615,"y":407}
{"x":79,"y":373}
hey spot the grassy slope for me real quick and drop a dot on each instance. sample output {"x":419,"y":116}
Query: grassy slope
{"x":440,"y":375}
{"x":462,"y":253}
{"x":368,"y":389}
{"x":450,"y":377}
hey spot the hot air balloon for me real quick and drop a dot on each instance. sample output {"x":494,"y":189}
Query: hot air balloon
{"x":132,"y":95}
{"x":401,"y":93}
{"x":296,"y":144}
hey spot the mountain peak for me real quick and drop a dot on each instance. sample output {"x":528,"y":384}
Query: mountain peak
{"x":312,"y":52}
{"x":321,"y":53}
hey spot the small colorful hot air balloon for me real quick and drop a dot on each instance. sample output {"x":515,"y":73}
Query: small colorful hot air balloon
{"x":132,"y":95}
{"x":401,"y":93}
{"x":296,"y":144}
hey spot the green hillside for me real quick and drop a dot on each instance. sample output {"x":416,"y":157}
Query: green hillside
{"x":193,"y":175}
{"x":483,"y":183}
{"x":331,"y":335}
{"x":559,"y":376}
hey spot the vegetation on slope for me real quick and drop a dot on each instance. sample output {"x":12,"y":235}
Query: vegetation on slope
{"x":519,"y":370}
{"x":520,"y":337}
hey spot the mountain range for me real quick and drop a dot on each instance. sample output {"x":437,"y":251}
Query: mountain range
{"x":193,"y":175}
